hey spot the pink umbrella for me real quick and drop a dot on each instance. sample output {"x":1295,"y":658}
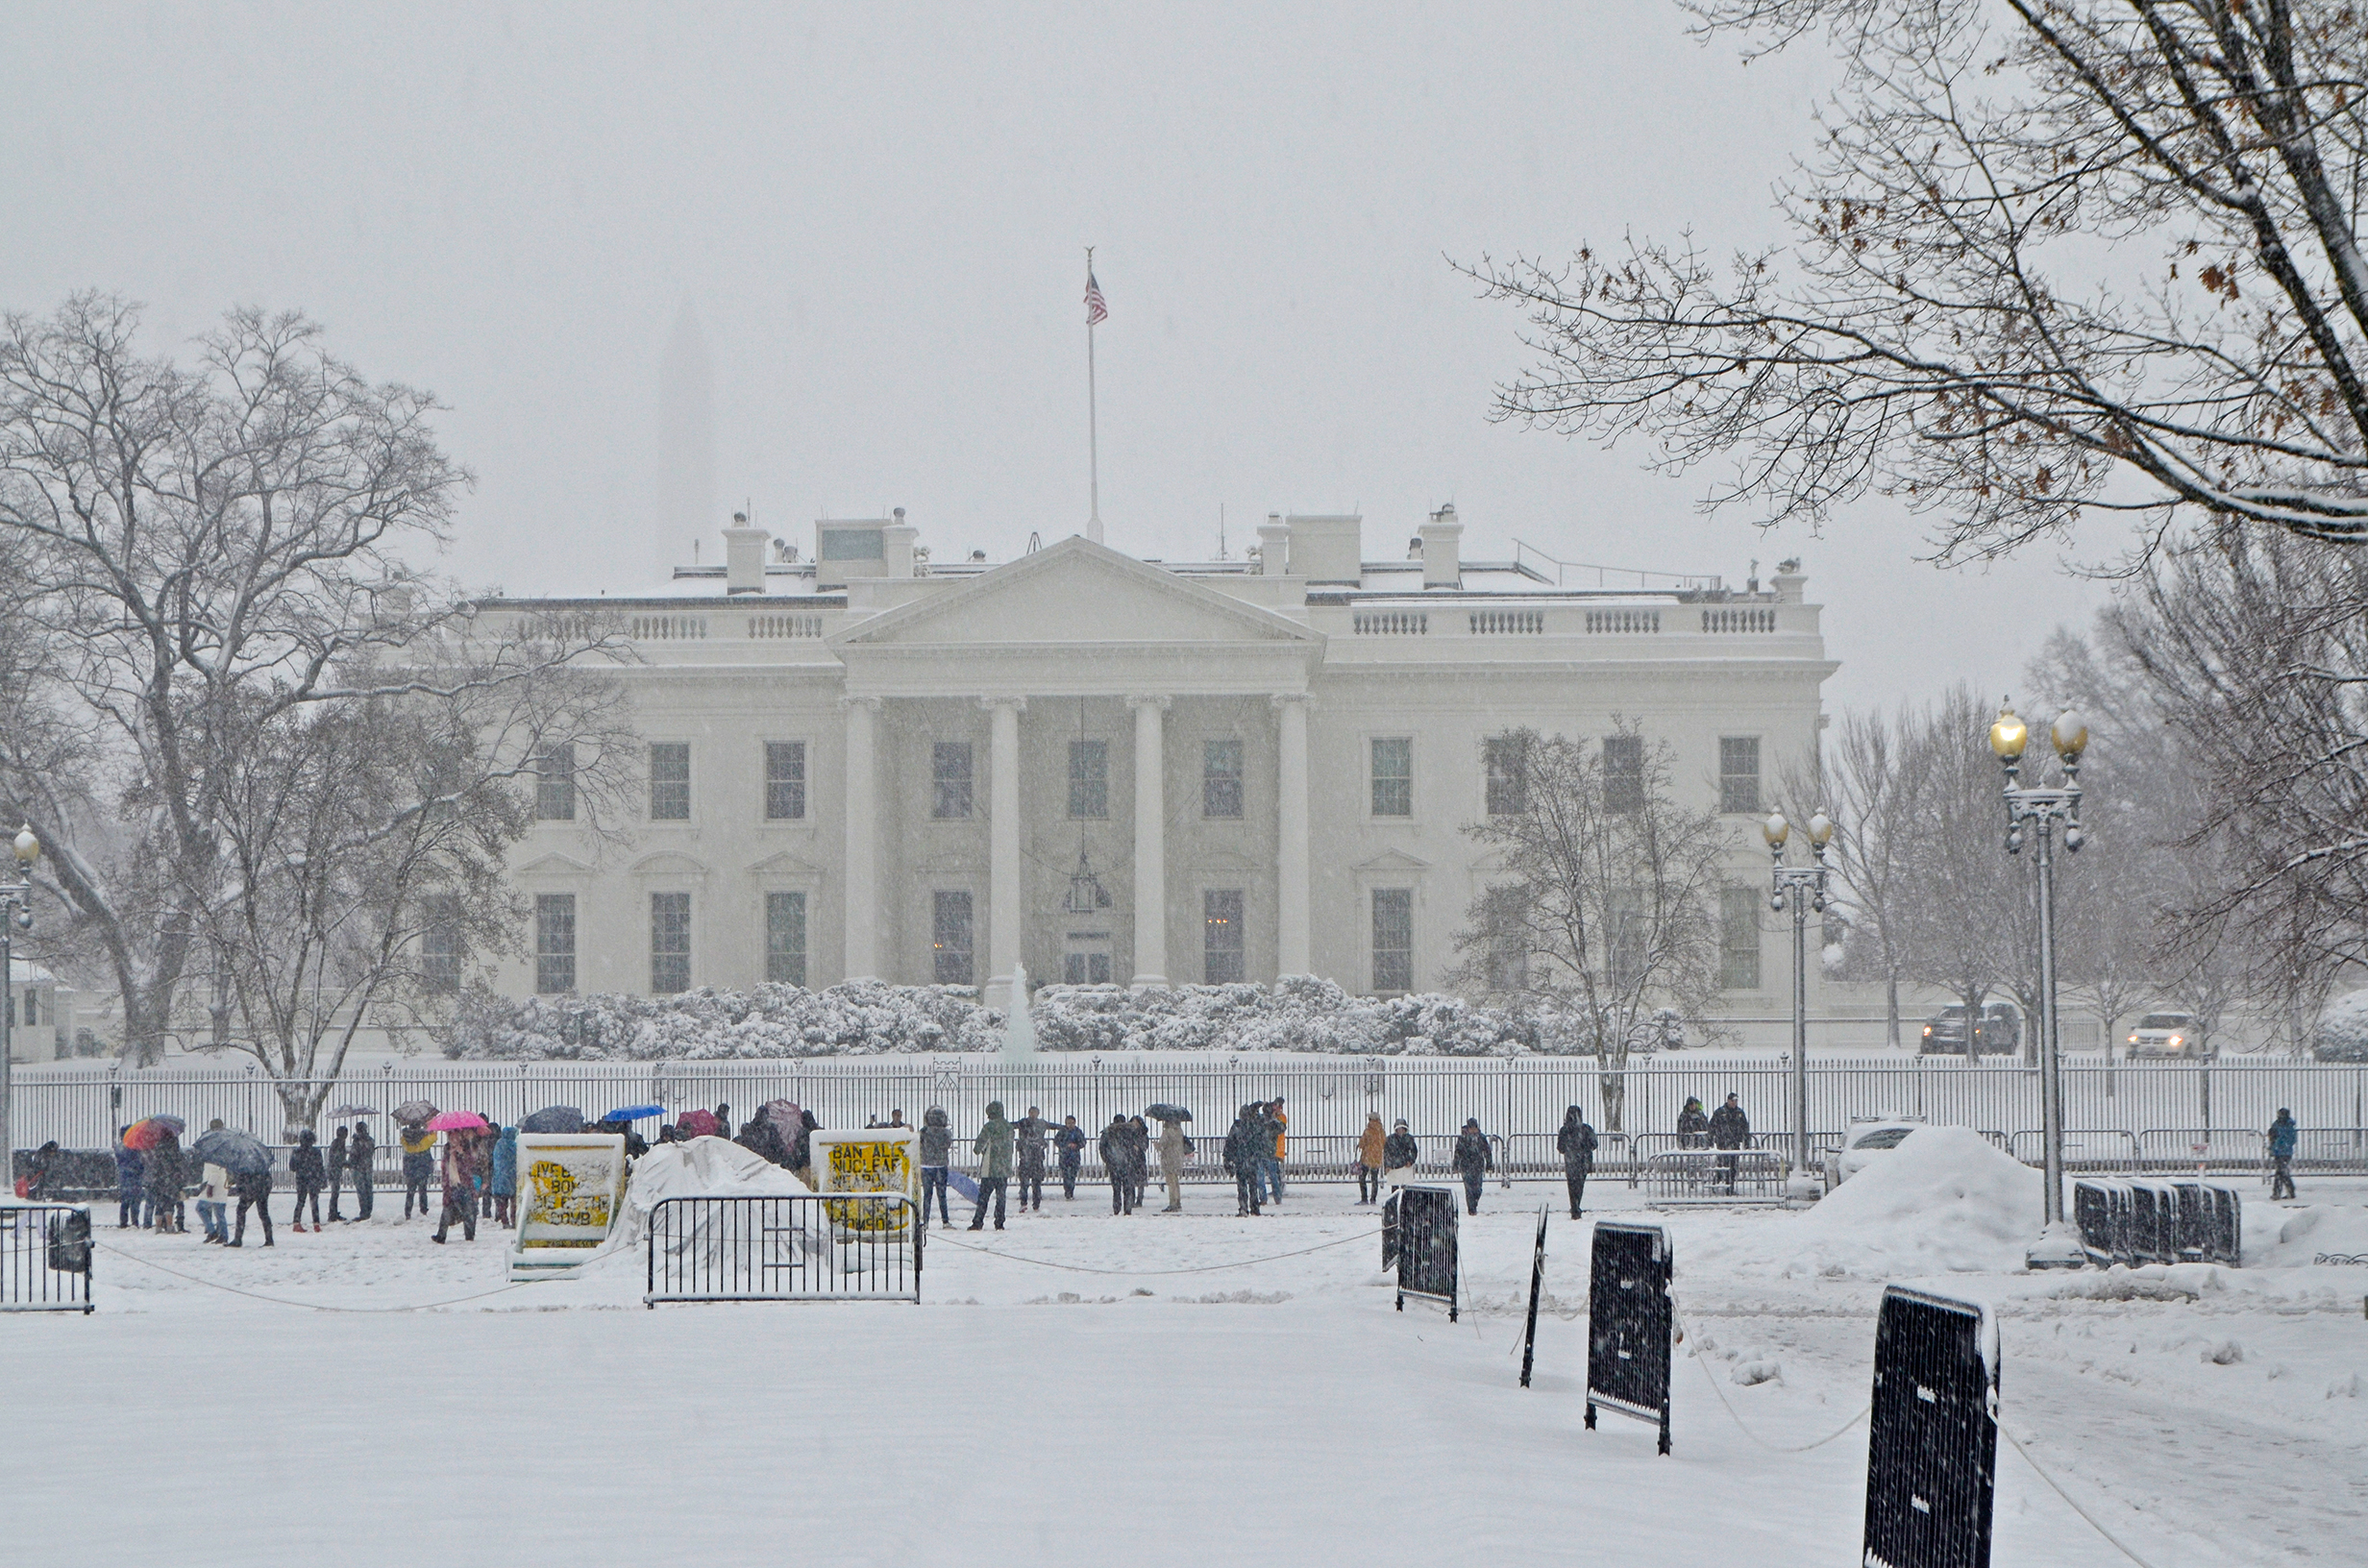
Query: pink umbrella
{"x":699,"y":1123}
{"x":459,"y":1121}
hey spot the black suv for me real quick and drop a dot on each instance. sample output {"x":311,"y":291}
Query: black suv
{"x":2000,"y":1032}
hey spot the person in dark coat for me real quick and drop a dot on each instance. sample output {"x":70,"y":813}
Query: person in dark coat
{"x":1694,"y":1128}
{"x":1070,"y":1144}
{"x":131,"y":1184}
{"x":761,"y":1137}
{"x":303,"y":1164}
{"x":1138,"y":1144}
{"x":1471,"y":1162}
{"x":1032,"y":1131}
{"x":253,"y":1189}
{"x":722,"y":1118}
{"x":1399,"y":1153}
{"x":2282,"y":1141}
{"x":993,"y":1146}
{"x":1245,"y":1144}
{"x":1118,"y":1162}
{"x":166,"y":1182}
{"x":41,"y":1181}
{"x":1577,"y":1144}
{"x":358,"y":1161}
{"x":418,"y":1166}
{"x":462,"y":1160}
{"x":936,"y":1161}
{"x":335,"y":1162}
{"x":1729,"y":1129}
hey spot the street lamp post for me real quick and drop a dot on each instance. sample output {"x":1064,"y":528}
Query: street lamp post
{"x":16,"y":914}
{"x":2040,"y":808}
{"x":1799,"y":889}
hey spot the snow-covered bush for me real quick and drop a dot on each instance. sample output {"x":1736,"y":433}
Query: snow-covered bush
{"x":1299,"y":1013}
{"x":2343,"y":1029}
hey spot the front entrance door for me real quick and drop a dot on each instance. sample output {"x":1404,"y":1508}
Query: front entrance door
{"x":1085,"y":959}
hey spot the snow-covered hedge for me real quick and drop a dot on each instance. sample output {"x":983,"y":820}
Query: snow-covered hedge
{"x":2343,"y":1029}
{"x":1299,"y":1013}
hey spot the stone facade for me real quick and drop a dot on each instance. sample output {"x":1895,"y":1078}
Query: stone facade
{"x":863,"y":765}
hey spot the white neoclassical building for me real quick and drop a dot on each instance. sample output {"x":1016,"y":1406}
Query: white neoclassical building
{"x":862,"y":763}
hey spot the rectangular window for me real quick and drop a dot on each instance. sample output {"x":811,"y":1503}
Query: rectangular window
{"x":1394,"y":776}
{"x":1507,"y":765}
{"x":1507,"y":954}
{"x":785,"y":937}
{"x":670,"y":943}
{"x":439,"y":945}
{"x":1394,"y":939}
{"x":1088,"y":965}
{"x":670,"y":782}
{"x":555,"y":942}
{"x":1739,"y":939}
{"x":1623,"y":773}
{"x":1738,"y":774}
{"x":784,"y":781}
{"x":1629,"y":927}
{"x":950,"y":781}
{"x":555,"y":785}
{"x":1220,"y":936}
{"x":1221,"y":778}
{"x":1088,"y":778}
{"x":950,"y":938}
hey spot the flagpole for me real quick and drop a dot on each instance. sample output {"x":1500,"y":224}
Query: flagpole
{"x":1093,"y":422}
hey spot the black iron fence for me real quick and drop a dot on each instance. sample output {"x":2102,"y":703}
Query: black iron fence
{"x":45,"y":1258}
{"x":860,"y":1246}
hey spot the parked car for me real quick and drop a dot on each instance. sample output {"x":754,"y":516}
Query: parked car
{"x":2001,"y":1029}
{"x":1869,"y":1140}
{"x":2166,"y":1034}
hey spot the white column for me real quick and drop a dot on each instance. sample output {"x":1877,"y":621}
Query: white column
{"x":1290,"y":928}
{"x":1150,"y":841}
{"x":1002,"y":848}
{"x":860,"y":892}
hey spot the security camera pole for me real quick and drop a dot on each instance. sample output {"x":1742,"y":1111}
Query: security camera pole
{"x":16,"y":914}
{"x":2058,"y":1245}
{"x":1799,"y":889}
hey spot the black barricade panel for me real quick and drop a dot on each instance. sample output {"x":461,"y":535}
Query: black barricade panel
{"x":1932,"y":1450}
{"x":1629,"y":1317}
{"x":1426,"y":1243}
{"x":1389,"y":1234}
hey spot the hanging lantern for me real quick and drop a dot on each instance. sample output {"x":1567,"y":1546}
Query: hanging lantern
{"x":1086,"y":894}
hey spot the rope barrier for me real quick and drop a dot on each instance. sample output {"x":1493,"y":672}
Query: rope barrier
{"x":1148,"y":1273}
{"x":1686,"y":1330}
{"x":307,"y":1305}
{"x":2093,"y":1522}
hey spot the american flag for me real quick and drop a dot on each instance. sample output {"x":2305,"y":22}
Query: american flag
{"x":1095,"y":311}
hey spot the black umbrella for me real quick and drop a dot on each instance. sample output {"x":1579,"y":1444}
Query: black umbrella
{"x":353,"y":1111}
{"x":553,"y":1118}
{"x":242,"y":1154}
{"x":1164,"y":1111}
{"x":414,"y":1110}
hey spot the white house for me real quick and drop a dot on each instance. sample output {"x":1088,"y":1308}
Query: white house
{"x":865,"y":763}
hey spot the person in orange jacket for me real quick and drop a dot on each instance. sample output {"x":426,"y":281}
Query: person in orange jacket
{"x":1371,"y":1145}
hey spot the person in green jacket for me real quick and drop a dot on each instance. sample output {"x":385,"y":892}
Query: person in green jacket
{"x":993,"y":1147}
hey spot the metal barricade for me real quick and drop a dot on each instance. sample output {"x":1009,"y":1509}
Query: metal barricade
{"x":2084,"y":1148}
{"x":809,"y":1246}
{"x":44,"y":1257}
{"x":1680,"y":1176}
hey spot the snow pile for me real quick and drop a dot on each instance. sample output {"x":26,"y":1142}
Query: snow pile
{"x":860,"y":1018}
{"x":2305,"y":1236}
{"x":2343,"y":1028}
{"x":703,"y":1168}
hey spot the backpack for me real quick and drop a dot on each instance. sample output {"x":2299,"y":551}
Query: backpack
{"x":69,"y":1242}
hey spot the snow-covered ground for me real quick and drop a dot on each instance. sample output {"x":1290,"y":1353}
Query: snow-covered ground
{"x":1067,"y":1393}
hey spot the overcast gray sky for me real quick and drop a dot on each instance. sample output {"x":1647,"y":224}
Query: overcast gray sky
{"x":876,"y":215}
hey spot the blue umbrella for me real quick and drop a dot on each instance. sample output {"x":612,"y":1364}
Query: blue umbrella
{"x":634,"y":1112}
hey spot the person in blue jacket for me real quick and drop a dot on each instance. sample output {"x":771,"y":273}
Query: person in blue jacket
{"x":2282,"y":1155}
{"x":131,"y":1183}
{"x":504,"y":1181}
{"x":1070,"y":1143}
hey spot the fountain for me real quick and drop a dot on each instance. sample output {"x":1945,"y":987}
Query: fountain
{"x":1019,"y":1034}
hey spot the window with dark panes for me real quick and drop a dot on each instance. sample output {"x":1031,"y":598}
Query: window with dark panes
{"x":784,"y":780}
{"x":440,"y":953}
{"x":1507,"y":758}
{"x":555,"y":942}
{"x":670,"y":943}
{"x":1623,"y":773}
{"x":1393,"y":775}
{"x":950,"y":938}
{"x":1738,"y":774}
{"x":949,"y":779}
{"x":555,"y":785}
{"x":1220,"y":936}
{"x":1394,"y":939}
{"x":1739,"y":938}
{"x":1221,"y":778}
{"x":1088,"y":778}
{"x":670,"y":782}
{"x":785,"y":937}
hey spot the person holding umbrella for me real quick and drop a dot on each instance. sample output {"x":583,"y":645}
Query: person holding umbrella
{"x":165,"y":1180}
{"x":359,"y":1159}
{"x":1174,"y":1148}
{"x":418,"y":1165}
{"x":462,"y":1131}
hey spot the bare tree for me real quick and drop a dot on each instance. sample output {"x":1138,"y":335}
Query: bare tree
{"x":1608,"y":895}
{"x":2049,"y":256}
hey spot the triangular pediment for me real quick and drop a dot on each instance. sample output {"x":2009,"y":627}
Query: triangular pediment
{"x":668,"y":863}
{"x":1075,"y":592}
{"x":785,"y":864}
{"x":553,"y":864}
{"x":1392,"y":861}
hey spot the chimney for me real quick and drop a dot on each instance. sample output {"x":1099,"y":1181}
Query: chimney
{"x":1442,"y":550}
{"x":897,"y":545}
{"x":1273,"y":546}
{"x":1326,"y":550}
{"x":1787,"y":581}
{"x":744,"y":556}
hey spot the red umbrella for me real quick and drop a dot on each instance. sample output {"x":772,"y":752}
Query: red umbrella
{"x":699,"y":1123}
{"x":148,"y":1134}
{"x":459,"y":1121}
